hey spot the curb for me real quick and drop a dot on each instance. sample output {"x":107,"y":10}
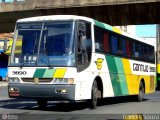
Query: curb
{"x":3,"y":84}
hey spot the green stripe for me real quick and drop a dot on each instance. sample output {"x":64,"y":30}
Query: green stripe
{"x":39,"y":73}
{"x":49,"y":73}
{"x":158,"y":76}
{"x":114,"y":76}
{"x":121,"y":75}
{"x":102,"y":25}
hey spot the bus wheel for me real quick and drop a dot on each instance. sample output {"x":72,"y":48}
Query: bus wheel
{"x":42,"y":104}
{"x":141,"y":92}
{"x":94,"y":95}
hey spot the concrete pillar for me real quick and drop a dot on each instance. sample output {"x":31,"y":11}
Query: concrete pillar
{"x":158,"y":43}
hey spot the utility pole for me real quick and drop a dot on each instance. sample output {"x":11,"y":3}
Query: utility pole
{"x":157,"y":41}
{"x":158,"y":54}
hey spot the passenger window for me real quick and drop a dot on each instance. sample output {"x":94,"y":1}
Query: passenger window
{"x":128,"y":48}
{"x":119,"y":46}
{"x":113,"y":44}
{"x":123,"y":47}
{"x":106,"y":42}
{"x":136,"y":49}
{"x":84,"y":47}
{"x":99,"y":40}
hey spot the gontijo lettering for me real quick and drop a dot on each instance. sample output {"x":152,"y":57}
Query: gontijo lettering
{"x":143,"y":68}
{"x":140,"y":67}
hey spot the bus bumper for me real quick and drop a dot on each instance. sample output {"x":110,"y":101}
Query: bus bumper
{"x":42,"y":91}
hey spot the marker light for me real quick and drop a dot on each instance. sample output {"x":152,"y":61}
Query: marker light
{"x":63,"y":81}
{"x":13,"y":80}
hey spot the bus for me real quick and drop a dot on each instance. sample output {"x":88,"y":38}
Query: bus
{"x":5,"y":47}
{"x":6,"y":40}
{"x":75,"y":58}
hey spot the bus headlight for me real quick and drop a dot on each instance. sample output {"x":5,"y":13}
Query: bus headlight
{"x":13,"y":80}
{"x":63,"y":81}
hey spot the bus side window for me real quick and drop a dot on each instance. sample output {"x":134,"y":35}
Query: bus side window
{"x":80,"y":47}
{"x":106,"y":42}
{"x":113,"y":44}
{"x":128,"y":48}
{"x":99,"y":39}
{"x":84,"y":44}
{"x":145,"y":53}
{"x":151,"y":54}
{"x":135,"y":50}
{"x":123,"y":47}
{"x":119,"y":46}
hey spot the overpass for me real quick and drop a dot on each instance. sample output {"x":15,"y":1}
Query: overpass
{"x":113,"y":12}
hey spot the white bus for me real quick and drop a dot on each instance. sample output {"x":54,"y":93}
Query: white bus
{"x":71,"y":58}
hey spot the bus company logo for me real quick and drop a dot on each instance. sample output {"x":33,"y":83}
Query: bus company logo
{"x":99,"y":63}
{"x":36,"y":80}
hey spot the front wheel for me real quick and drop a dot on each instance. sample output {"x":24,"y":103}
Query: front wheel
{"x":94,"y":95}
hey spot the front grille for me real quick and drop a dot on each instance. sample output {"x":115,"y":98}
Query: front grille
{"x":40,"y":80}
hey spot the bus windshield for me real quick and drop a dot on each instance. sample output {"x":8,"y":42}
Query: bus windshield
{"x":44,"y":44}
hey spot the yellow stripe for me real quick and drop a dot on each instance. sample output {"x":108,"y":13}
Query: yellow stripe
{"x":59,"y":73}
{"x":129,"y":77}
{"x":158,"y":68}
{"x":117,"y":30}
{"x":133,"y":81}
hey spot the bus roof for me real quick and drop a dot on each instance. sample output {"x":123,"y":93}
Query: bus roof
{"x":75,"y":17}
{"x":54,"y":17}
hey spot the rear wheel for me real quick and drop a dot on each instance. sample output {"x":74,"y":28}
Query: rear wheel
{"x":42,"y":104}
{"x":94,"y":95}
{"x":141,"y":93}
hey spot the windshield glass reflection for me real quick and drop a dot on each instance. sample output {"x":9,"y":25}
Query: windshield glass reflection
{"x":44,"y":44}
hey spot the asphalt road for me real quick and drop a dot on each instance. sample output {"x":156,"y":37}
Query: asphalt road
{"x":110,"y":109}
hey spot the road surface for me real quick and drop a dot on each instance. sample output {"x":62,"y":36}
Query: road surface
{"x":110,"y":109}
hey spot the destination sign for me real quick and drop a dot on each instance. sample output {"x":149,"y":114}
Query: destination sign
{"x":29,"y":26}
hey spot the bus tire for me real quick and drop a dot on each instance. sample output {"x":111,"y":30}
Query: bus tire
{"x":42,"y":104}
{"x":94,"y":97}
{"x":141,"y":92}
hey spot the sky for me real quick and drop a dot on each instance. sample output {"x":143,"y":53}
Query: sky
{"x":146,"y":30}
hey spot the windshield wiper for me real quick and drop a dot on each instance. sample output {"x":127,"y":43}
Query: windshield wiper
{"x":45,"y":59}
{"x":44,"y":52}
